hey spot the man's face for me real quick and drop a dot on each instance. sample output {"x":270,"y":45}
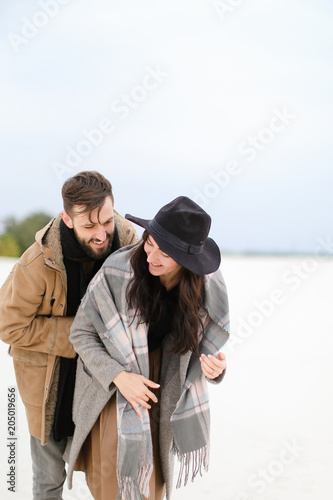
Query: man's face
{"x":94,"y":233}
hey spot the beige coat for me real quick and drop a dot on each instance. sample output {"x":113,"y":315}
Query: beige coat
{"x":33,"y":321}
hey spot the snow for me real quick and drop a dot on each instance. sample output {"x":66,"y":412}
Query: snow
{"x":271,"y":435}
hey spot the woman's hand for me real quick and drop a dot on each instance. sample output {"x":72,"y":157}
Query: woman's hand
{"x":135,"y":389}
{"x":212,"y":367}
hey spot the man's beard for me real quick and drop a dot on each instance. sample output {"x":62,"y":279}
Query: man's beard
{"x":98,"y":253}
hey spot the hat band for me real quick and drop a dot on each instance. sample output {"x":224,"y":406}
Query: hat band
{"x":174,"y":240}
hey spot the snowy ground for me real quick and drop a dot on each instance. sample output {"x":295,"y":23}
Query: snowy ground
{"x":272,"y":432}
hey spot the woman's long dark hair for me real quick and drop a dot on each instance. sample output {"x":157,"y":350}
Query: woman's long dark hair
{"x":144,"y":295}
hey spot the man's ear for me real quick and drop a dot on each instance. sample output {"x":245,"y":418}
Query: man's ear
{"x":67,"y":220}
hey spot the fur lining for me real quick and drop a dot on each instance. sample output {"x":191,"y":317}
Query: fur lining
{"x":51,"y":403}
{"x":50,"y":238}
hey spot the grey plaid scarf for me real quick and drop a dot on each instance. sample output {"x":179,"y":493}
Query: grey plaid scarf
{"x":126,"y":340}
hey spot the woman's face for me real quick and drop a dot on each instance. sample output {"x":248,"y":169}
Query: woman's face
{"x":160,"y":264}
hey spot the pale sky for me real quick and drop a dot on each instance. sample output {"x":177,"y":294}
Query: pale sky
{"x":227,"y":102}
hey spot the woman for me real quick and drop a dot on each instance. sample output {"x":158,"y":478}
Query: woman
{"x":148,"y":335}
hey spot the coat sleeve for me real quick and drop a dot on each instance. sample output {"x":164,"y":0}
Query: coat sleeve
{"x":90,"y":348}
{"x":224,"y":337}
{"x":21,"y":298}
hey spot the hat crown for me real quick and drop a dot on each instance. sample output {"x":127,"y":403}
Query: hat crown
{"x":181,"y":229}
{"x":186,"y":220}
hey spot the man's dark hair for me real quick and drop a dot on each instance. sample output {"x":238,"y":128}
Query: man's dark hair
{"x":87,"y":190}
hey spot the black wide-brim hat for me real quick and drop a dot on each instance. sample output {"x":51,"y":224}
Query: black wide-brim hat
{"x":181,"y":229}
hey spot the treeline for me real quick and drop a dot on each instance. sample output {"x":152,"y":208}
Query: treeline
{"x":18,"y":235}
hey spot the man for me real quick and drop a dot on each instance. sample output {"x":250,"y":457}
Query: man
{"x":38,"y":303}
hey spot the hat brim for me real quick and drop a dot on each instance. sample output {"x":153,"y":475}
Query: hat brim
{"x":206,"y":262}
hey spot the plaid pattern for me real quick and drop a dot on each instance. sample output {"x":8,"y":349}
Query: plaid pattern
{"x":106,"y":306}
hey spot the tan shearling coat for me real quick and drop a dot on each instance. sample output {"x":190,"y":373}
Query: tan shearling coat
{"x":33,"y":321}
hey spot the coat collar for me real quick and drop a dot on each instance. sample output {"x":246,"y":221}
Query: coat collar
{"x":49,"y":241}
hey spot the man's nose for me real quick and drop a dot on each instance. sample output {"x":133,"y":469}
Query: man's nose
{"x":101,"y":234}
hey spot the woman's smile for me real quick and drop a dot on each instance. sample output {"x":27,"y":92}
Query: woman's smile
{"x":160,"y":264}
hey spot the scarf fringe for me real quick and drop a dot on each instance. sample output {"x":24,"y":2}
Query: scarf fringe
{"x":195,"y":460}
{"x":130,"y":488}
